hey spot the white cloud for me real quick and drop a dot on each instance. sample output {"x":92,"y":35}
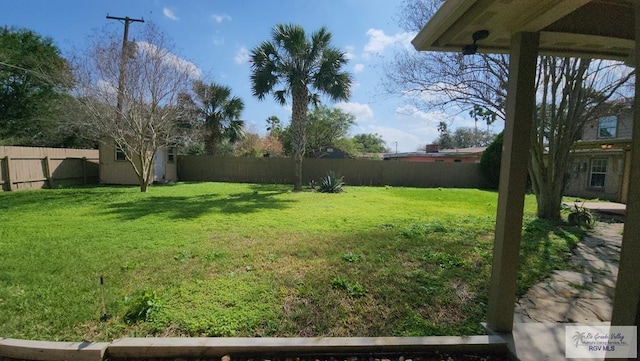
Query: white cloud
{"x":242,"y":56}
{"x":362,"y":112}
{"x":379,"y":41}
{"x":170,"y":58}
{"x":106,"y":87}
{"x":358,"y":68}
{"x":169,"y":14}
{"x":219,"y":18}
{"x":407,"y":141}
{"x":349,"y":52}
{"x":412,"y":111}
{"x":217,"y":41}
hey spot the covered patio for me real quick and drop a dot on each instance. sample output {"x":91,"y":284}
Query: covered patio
{"x":604,"y":29}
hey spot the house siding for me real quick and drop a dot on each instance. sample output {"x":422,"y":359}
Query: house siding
{"x":623,"y":131}
{"x":114,"y":171}
{"x":616,"y":152}
{"x":578,"y":184}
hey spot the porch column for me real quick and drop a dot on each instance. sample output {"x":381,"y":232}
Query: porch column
{"x":513,"y":179}
{"x":626,"y":305}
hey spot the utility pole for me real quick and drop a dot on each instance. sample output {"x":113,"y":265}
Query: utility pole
{"x":123,"y":57}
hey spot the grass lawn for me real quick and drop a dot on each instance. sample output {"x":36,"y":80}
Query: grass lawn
{"x":218,"y":259}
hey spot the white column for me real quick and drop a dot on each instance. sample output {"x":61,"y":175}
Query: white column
{"x":513,"y":178}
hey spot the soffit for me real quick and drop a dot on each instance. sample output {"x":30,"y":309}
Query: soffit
{"x":589,"y":28}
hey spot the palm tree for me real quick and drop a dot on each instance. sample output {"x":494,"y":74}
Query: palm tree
{"x":219,"y":113}
{"x":305,"y":68}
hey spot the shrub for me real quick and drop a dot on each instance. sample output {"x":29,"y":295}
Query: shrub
{"x":490,"y":162}
{"x":331,"y":183}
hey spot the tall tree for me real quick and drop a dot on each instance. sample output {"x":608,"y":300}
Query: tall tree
{"x":218,"y":111}
{"x":305,"y":68}
{"x":324,"y":127}
{"x":370,"y":143}
{"x":274,"y":125}
{"x":464,"y":137}
{"x":34,"y":80}
{"x":444,"y":141}
{"x":146,"y":119}
{"x":571,"y":92}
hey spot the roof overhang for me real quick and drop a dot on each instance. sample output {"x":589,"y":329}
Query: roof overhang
{"x":581,"y":28}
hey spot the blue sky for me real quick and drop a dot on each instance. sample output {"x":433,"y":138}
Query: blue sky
{"x":217,"y":36}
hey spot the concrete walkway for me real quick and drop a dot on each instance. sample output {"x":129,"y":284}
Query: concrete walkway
{"x":583,"y":295}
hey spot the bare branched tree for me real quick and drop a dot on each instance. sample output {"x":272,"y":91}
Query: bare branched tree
{"x":571,"y":92}
{"x":146,"y":119}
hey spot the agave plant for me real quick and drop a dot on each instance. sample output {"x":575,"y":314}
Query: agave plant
{"x":581,"y":217}
{"x":331,"y":183}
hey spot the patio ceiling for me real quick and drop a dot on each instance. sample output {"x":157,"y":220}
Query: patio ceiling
{"x":586,"y":28}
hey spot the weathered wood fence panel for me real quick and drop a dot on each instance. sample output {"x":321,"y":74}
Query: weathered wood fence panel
{"x":354,"y":171}
{"x":34,"y":168}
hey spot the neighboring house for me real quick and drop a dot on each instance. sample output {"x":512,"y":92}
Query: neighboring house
{"x":601,"y":160}
{"x":432,"y":154}
{"x":115,"y":169}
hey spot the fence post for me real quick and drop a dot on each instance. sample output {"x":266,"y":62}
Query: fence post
{"x":84,"y":170}
{"x":8,"y":169}
{"x":47,"y":171}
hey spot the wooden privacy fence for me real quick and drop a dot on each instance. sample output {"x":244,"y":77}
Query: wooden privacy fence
{"x":33,"y":168}
{"x":354,"y":171}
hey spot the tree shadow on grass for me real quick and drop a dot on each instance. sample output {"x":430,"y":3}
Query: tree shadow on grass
{"x":181,"y":207}
{"x":47,"y":197}
{"x":540,"y":255}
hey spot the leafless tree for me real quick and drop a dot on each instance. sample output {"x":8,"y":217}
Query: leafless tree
{"x":570,"y":93}
{"x":140,"y":115}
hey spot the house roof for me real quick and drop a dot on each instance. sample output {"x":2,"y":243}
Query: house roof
{"x":586,"y":28}
{"x":470,"y":150}
{"x":459,"y":153}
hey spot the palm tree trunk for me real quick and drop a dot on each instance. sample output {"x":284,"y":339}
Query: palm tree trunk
{"x":298,"y":132}
{"x":212,"y":141}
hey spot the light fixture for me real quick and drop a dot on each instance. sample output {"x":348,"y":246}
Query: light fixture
{"x":473,"y":48}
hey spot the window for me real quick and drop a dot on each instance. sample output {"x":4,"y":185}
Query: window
{"x":598,"y":173}
{"x":120,"y":154}
{"x":607,"y":127}
{"x":170,"y":155}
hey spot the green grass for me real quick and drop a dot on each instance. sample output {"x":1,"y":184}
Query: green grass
{"x":217,"y":259}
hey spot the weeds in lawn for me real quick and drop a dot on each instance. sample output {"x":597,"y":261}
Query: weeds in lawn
{"x":353,"y":289}
{"x":183,"y":256}
{"x":444,"y":260}
{"x":128,"y":266}
{"x":213,"y":256}
{"x":352,"y":257}
{"x":142,"y":306}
